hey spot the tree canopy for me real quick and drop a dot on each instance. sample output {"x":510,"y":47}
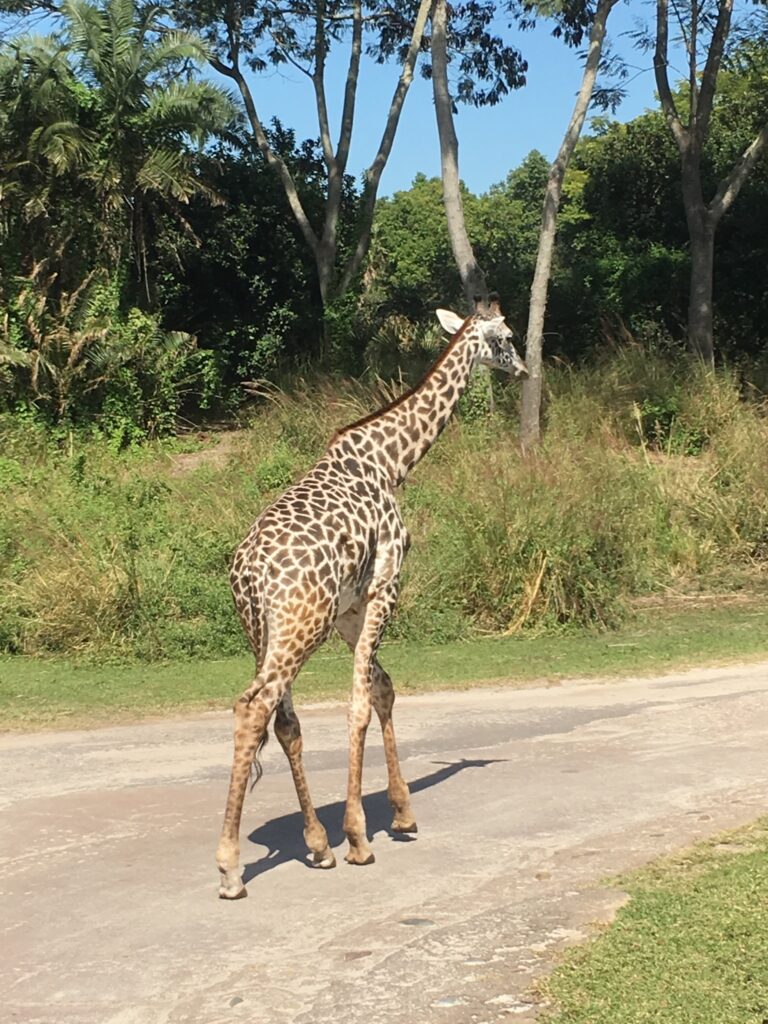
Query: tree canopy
{"x":151,"y":263}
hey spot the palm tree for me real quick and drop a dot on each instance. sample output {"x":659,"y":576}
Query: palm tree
{"x":101,"y":129}
{"x":150,"y":115}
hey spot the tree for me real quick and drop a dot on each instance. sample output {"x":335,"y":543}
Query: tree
{"x":530,"y":413}
{"x":410,"y":261}
{"x":697,"y":20}
{"x":147,"y":110}
{"x":238,"y":274}
{"x":508,"y":73}
{"x":620,"y":251}
{"x":99,"y":124}
{"x":245,"y":34}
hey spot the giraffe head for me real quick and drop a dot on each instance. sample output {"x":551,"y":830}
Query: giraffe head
{"x":487,"y":324}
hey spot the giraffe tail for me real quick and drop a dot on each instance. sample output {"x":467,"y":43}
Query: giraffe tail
{"x":257,"y":769}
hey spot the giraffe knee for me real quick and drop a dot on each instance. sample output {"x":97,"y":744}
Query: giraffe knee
{"x":383,"y":694}
{"x":288,"y":732}
{"x":250,"y":716}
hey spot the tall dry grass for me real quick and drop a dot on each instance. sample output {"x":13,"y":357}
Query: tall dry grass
{"x":652,"y":477}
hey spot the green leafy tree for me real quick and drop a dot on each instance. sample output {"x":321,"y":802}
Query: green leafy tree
{"x":238,"y":274}
{"x":706,"y":27}
{"x":101,"y":124}
{"x":148,"y":115}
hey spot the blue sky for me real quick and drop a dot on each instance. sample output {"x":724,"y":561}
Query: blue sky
{"x":491,"y":141}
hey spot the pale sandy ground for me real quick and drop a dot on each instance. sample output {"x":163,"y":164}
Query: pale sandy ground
{"x":525,"y":799}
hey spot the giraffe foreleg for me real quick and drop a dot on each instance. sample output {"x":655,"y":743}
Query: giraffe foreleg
{"x":288,"y":732}
{"x":363,"y":632}
{"x":359,"y":717}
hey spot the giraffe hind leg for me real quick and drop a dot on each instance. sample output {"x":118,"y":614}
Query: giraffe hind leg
{"x":288,"y":732}
{"x":253,"y":711}
{"x":383,"y":698}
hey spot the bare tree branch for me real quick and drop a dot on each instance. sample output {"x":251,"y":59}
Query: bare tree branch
{"x":374,"y":172}
{"x":693,"y":77}
{"x":712,"y":68}
{"x":661,"y":71}
{"x":273,"y":159}
{"x":318,"y":80}
{"x":729,"y":187}
{"x":350,"y":90}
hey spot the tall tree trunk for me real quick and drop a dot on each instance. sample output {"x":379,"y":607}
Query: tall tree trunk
{"x":700,"y":327}
{"x":530,"y":413}
{"x":472,"y":277}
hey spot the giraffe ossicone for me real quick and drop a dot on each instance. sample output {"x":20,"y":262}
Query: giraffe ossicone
{"x":327,"y":554}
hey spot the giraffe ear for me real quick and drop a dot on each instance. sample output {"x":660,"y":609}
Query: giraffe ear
{"x":449,"y":321}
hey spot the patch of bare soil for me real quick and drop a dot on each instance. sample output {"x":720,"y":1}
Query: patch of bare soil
{"x":222,"y":447}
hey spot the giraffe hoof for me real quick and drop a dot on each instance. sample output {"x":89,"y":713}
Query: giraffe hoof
{"x":405,"y":826}
{"x":325,"y":859}
{"x":232,"y":892}
{"x":359,"y":858}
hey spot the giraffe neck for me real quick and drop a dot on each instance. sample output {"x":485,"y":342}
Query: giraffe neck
{"x":402,"y":433}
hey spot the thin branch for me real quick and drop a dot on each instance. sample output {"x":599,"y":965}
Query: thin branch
{"x":288,"y":58}
{"x":693,"y":81}
{"x":273,"y":159}
{"x":318,"y":80}
{"x":730,"y":186}
{"x":584,"y":95}
{"x":350,"y":90}
{"x":712,"y":67}
{"x":660,"y":66}
{"x":337,"y":164}
{"x":374,"y":172}
{"x":681,"y":26}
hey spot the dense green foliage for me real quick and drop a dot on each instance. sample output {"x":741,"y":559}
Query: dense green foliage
{"x":118,"y":226}
{"x":101,"y":129}
{"x":150,"y":264}
{"x":649,"y":478}
{"x":621,"y":260}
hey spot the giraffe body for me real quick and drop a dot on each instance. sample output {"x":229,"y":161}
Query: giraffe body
{"x":327,"y":554}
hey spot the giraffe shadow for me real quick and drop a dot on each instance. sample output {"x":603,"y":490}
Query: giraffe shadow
{"x":283,"y":836}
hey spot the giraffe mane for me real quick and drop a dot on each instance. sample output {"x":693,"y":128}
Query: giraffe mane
{"x":407,"y":394}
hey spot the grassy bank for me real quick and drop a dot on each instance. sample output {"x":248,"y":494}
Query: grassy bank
{"x":691,"y":947}
{"x":37,"y":693}
{"x":653,"y":479}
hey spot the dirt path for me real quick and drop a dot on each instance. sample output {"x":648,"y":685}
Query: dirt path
{"x":525,"y":800}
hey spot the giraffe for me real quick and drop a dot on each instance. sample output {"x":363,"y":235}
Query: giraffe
{"x":327,"y":554}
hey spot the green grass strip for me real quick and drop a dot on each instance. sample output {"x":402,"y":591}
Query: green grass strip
{"x":691,"y":947}
{"x":37,"y":693}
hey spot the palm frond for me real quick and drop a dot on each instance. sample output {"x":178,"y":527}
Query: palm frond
{"x":63,"y":145}
{"x":166,"y":172}
{"x":12,"y":356}
{"x":198,"y":109}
